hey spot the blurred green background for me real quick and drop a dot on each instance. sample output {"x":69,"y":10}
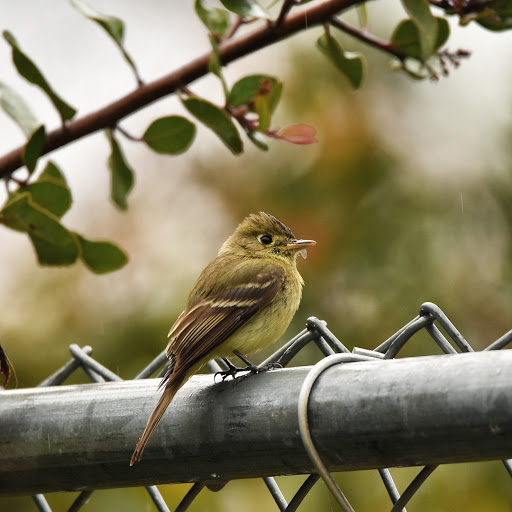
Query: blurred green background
{"x":408,"y":194}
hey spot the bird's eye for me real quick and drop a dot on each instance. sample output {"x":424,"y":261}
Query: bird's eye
{"x":266,"y":239}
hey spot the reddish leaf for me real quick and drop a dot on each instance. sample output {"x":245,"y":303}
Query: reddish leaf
{"x":301,"y":134}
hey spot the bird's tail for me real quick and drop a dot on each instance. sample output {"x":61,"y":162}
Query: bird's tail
{"x":171,"y":388}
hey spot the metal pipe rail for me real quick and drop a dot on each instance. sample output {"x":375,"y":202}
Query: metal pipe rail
{"x":362,"y":415}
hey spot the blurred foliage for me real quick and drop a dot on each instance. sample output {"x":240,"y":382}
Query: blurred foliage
{"x":416,"y":47}
{"x":389,"y":238}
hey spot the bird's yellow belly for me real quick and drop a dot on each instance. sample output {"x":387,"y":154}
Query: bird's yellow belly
{"x":261,"y":330}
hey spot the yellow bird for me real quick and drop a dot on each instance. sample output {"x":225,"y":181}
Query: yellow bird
{"x":242,"y":302}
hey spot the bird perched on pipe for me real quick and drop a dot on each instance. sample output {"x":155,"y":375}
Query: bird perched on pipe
{"x":242,"y":302}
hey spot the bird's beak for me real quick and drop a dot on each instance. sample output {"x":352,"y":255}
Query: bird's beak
{"x":300,"y":246}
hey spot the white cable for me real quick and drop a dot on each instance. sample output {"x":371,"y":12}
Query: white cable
{"x":304,"y":430}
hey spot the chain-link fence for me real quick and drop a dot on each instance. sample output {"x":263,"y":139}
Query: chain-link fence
{"x":309,"y":420}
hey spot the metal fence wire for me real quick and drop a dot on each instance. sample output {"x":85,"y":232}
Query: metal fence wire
{"x":336,"y":355}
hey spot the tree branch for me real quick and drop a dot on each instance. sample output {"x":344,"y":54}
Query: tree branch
{"x":230,"y":50}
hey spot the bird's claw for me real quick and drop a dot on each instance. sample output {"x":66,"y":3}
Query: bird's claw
{"x":252,"y":369}
{"x":231,"y":372}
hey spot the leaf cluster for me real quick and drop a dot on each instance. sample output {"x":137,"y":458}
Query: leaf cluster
{"x":37,"y":209}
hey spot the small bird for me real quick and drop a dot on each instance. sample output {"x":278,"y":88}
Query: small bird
{"x":242,"y":302}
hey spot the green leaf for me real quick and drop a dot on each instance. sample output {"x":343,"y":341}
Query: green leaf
{"x":33,"y":148}
{"x":443,"y":32}
{"x":52,"y":173}
{"x":415,"y":68}
{"x":217,"y":120}
{"x":16,"y":108}
{"x":170,"y":135}
{"x":258,"y":140}
{"x":51,"y":191}
{"x":274,"y":96}
{"x":245,"y":8}
{"x":113,"y":26}
{"x":215,"y":20}
{"x":497,"y":16}
{"x":30,"y":72}
{"x":60,"y":251}
{"x":249,"y":87}
{"x":261,"y":107}
{"x":53,"y":243}
{"x":215,"y":64}
{"x":101,"y":256}
{"x":350,"y":64}
{"x":406,"y":38}
{"x":122,"y":177}
{"x":419,"y":12}
{"x":261,"y":93}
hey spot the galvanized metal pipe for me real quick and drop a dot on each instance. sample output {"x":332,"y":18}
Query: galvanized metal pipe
{"x":362,"y":415}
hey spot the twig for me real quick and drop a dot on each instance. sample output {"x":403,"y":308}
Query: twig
{"x":236,"y":25}
{"x":366,"y":37}
{"x":186,"y":90}
{"x":285,"y":9}
{"x":128,"y":135}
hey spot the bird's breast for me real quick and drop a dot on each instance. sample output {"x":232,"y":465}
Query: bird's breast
{"x":268,"y":324}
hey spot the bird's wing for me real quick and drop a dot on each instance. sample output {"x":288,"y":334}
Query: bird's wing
{"x":213,"y":319}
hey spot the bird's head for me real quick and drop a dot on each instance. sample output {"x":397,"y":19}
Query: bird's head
{"x":261,"y":235}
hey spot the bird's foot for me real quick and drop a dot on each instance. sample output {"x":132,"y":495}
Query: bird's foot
{"x":232,"y":370}
{"x":252,"y":368}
